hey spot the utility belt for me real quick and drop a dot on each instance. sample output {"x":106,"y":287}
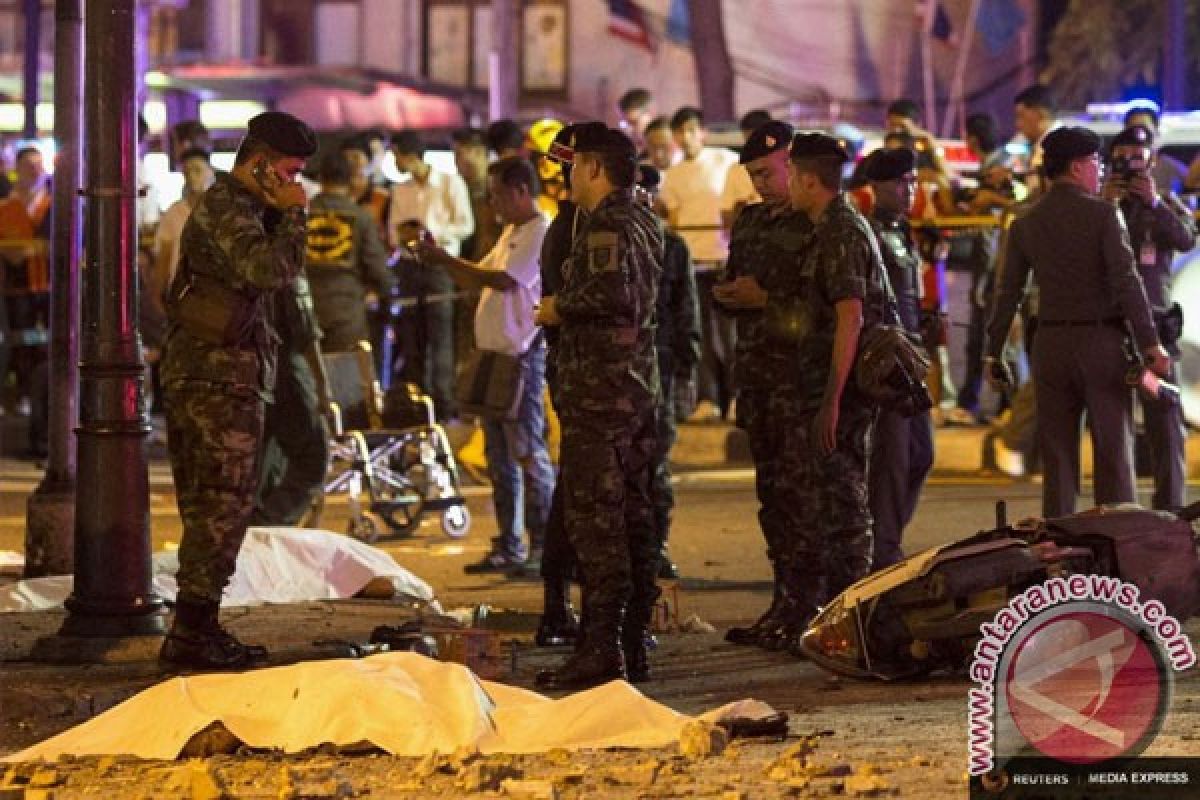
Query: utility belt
{"x":1107,"y":322}
{"x":212,"y":312}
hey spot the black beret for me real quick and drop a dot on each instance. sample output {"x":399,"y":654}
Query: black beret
{"x":596,"y":137}
{"x":649,"y":177}
{"x":888,"y":165}
{"x":817,"y":145}
{"x":1068,"y":143}
{"x":284,"y":133}
{"x":1135,"y":135}
{"x":770,"y":137}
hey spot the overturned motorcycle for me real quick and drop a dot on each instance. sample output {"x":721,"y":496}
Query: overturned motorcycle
{"x":924,"y":613}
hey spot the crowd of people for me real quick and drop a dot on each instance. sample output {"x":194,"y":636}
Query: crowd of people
{"x":629,"y":278}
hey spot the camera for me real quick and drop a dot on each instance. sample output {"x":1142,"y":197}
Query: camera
{"x":1128,"y":167}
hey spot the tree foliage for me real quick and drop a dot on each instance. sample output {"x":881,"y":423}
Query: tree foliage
{"x":1099,"y":47}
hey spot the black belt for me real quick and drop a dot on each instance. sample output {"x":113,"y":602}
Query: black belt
{"x":1115,"y":322}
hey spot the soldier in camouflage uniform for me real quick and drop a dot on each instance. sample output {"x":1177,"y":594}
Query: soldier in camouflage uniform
{"x":767,"y":243}
{"x":677,"y":345}
{"x":840,"y":296}
{"x":609,"y":392}
{"x":243,"y":242}
{"x":901,"y":446}
{"x":295,"y":436}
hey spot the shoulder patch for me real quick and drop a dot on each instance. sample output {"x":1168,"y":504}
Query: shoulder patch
{"x":602,"y":250}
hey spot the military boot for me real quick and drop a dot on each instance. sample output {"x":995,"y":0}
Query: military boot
{"x":800,"y":592}
{"x":197,"y":640}
{"x":559,"y":626}
{"x":636,"y":639}
{"x":753,"y":633}
{"x":597,"y":659}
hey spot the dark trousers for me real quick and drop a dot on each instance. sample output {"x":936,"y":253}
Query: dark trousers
{"x":1078,"y":369}
{"x":426,"y":343}
{"x":296,"y":447}
{"x":718,"y":338}
{"x":664,"y":493}
{"x":901,"y":457}
{"x":968,"y":393}
{"x":1167,"y":438}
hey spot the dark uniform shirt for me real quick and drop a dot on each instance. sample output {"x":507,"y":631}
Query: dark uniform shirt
{"x":843,"y":263}
{"x":678,"y":312}
{"x":899,"y":253}
{"x":344,"y":256}
{"x":1156,"y":235}
{"x":556,"y":249}
{"x":606,"y":361}
{"x":1077,"y":248}
{"x":243,"y":245}
{"x":768,"y":247}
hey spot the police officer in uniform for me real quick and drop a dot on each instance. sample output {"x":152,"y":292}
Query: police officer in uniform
{"x":1077,"y":247}
{"x":902,"y":446}
{"x":839,"y":297}
{"x":243,"y":243}
{"x":678,"y":349}
{"x":767,"y":243}
{"x":608,"y":391}
{"x":1160,"y":227}
{"x":295,"y":436}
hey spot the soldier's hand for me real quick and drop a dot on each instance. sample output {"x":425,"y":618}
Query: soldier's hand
{"x":998,"y":374}
{"x":547,"y":312}
{"x":1157,"y":360}
{"x":286,"y":195}
{"x":743,"y":292}
{"x":824,"y":427}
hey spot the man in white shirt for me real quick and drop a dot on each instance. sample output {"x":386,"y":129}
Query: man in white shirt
{"x":691,"y":197}
{"x":197,"y":177}
{"x":438,"y":204}
{"x":510,"y":278}
{"x":1033,"y":114}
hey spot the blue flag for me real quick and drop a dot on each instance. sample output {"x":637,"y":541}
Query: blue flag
{"x":679,"y":24}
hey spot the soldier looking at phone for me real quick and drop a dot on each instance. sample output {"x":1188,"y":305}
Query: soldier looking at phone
{"x":1160,"y":226}
{"x":243,"y":243}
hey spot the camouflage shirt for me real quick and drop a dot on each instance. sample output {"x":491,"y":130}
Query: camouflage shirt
{"x":842,"y":263}
{"x":903,"y":265}
{"x":606,"y":360}
{"x":248,"y":248}
{"x":768,"y":246}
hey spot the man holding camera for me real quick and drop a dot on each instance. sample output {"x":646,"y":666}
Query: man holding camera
{"x":243,"y":243}
{"x":1078,"y":250}
{"x":1160,"y":226}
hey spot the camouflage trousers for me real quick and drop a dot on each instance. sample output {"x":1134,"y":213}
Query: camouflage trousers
{"x":608,"y":511}
{"x":824,"y":498}
{"x":771,"y":423}
{"x":214,"y":435}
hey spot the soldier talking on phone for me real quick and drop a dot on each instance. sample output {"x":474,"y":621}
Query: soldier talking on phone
{"x":243,"y":242}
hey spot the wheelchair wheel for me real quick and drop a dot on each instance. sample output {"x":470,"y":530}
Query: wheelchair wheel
{"x":365,"y":527}
{"x":456,"y":521}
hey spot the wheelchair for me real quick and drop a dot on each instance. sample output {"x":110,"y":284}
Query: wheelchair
{"x":388,"y":454}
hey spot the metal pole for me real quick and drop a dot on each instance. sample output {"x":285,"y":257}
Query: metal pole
{"x":504,"y":59}
{"x":50,"y":513}
{"x":112,"y":595}
{"x":33,"y":54}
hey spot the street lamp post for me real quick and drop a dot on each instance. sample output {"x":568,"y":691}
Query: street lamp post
{"x":112,"y":597}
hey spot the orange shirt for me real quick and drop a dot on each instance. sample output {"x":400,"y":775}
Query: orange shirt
{"x":22,"y":223}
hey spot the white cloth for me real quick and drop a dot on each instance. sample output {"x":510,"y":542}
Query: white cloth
{"x":441,"y":203}
{"x":403,"y":703}
{"x":168,"y":234}
{"x":691,"y":192}
{"x":739,"y":189}
{"x":504,"y":318}
{"x":275,"y":565}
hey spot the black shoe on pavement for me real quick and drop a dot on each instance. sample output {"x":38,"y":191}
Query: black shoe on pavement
{"x":494,"y":562}
{"x":560,"y":632}
{"x":209,"y":650}
{"x":585,"y":669}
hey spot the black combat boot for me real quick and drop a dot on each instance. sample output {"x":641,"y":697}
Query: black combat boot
{"x":752,"y":634}
{"x":597,"y":659}
{"x":559,"y":626}
{"x":198,"y":641}
{"x":800,"y":593}
{"x":636,"y":639}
